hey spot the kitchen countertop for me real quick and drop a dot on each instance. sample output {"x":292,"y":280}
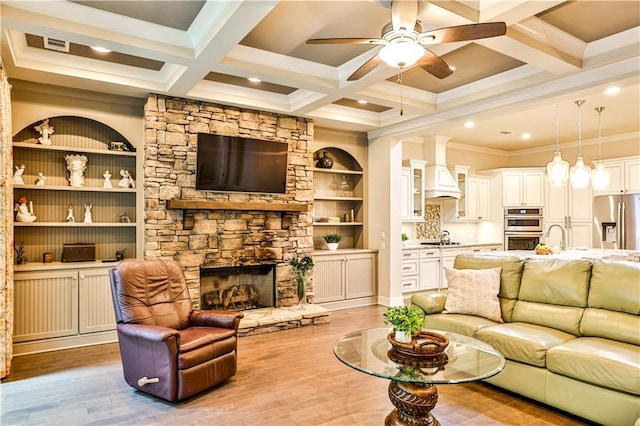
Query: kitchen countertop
{"x":414,"y":245}
{"x":589,"y":254}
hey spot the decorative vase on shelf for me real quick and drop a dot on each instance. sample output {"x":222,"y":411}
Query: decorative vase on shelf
{"x":332,"y":246}
{"x":324,"y":162}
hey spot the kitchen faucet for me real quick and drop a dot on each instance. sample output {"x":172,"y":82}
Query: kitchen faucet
{"x":562,"y":242}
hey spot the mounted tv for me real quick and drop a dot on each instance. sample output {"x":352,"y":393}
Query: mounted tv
{"x":236,"y":164}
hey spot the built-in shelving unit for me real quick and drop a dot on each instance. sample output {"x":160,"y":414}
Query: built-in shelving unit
{"x":75,"y":135}
{"x":338,"y":200}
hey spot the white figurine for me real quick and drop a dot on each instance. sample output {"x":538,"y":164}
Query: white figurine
{"x":107,"y":180}
{"x":76,"y":164}
{"x":24,"y":213}
{"x":70,"y":217}
{"x":17,"y":176}
{"x":127,"y":180}
{"x":45,"y":130}
{"x":87,"y":213}
{"x":40,"y":179}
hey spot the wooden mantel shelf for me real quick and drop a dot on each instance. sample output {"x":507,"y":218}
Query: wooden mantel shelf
{"x":188,"y":207}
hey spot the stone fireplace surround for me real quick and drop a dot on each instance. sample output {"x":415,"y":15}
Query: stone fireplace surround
{"x":222,"y":238}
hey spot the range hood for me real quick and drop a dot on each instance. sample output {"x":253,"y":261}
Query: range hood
{"x":438,"y":180}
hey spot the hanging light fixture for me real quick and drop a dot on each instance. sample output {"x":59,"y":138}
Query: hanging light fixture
{"x":580,"y":173}
{"x":557,"y":169}
{"x":600,"y":177}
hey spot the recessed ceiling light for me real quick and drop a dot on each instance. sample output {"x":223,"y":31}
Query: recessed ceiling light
{"x":254,"y":79}
{"x":613,"y":90}
{"x":526,"y":136}
{"x":469,"y":124}
{"x":101,"y":49}
{"x":362,"y":102}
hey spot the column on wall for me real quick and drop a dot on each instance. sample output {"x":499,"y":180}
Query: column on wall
{"x":6,"y":228}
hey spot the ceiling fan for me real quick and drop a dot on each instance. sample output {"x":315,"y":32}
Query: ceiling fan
{"x":404,"y":42}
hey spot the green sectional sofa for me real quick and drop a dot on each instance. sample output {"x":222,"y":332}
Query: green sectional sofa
{"x":570,"y":332}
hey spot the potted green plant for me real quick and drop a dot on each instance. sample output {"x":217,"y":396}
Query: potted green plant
{"x":332,"y":241}
{"x":300,"y":269}
{"x":406,"y":321}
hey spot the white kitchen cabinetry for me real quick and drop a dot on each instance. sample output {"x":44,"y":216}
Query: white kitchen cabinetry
{"x":523,"y":188}
{"x":410,"y":270}
{"x":429,"y":269}
{"x":573,"y":210}
{"x":60,"y":308}
{"x":344,"y":277}
{"x":473,"y":204}
{"x":412,"y":209}
{"x":625,"y":176}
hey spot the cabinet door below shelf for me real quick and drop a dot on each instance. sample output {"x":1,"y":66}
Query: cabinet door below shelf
{"x":328,"y":279}
{"x":45,"y":305}
{"x":360,"y":276}
{"x":96,"y":305}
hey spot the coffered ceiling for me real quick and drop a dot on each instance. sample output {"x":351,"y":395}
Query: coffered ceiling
{"x":554,"y":52}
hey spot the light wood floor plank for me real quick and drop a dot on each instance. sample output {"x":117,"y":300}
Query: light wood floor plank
{"x":286,"y":378}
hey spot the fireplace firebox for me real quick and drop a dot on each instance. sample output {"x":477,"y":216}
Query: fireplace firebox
{"x":237,"y":287}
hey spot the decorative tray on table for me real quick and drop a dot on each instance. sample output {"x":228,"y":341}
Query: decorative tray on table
{"x":423,"y":344}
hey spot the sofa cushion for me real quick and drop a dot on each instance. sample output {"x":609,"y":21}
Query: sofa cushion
{"x":556,"y":281}
{"x":564,"y":318}
{"x":598,"y":361}
{"x":615,"y":285}
{"x":430,"y":303}
{"x":474,"y":292}
{"x":611,"y":325}
{"x":553,"y":293}
{"x":466,"y":325}
{"x":510,"y":275}
{"x":522,"y":342}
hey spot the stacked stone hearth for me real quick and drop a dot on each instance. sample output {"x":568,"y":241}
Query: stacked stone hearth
{"x":223,"y":237}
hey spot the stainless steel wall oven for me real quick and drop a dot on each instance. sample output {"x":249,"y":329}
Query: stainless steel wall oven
{"x":522,"y":228}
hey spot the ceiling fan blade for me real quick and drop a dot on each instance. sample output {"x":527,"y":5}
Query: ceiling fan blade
{"x":404,"y":14}
{"x":434,"y":65}
{"x":345,"y":41}
{"x":366,"y":68}
{"x":464,"y":33}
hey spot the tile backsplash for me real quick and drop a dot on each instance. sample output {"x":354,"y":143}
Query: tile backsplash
{"x":430,"y":229}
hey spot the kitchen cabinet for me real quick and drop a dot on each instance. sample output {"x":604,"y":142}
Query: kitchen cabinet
{"x":339,"y":200}
{"x":410,"y":277}
{"x":625,"y":176}
{"x":344,"y":276}
{"x":473,"y":204}
{"x":62,"y":306}
{"x":572,"y":209}
{"x":412,"y":187}
{"x":429,"y":269}
{"x":523,"y":188}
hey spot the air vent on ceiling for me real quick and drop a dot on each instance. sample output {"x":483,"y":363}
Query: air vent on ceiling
{"x":55,"y":44}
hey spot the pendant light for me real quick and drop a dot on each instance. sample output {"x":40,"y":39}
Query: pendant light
{"x":580,"y":173}
{"x":600,"y":177}
{"x":557,"y":169}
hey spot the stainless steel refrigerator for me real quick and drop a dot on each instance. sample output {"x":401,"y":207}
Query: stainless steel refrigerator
{"x":616,"y":221}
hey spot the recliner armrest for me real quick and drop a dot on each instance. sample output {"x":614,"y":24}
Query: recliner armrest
{"x":153,"y":333}
{"x":430,"y":303}
{"x":220,"y":319}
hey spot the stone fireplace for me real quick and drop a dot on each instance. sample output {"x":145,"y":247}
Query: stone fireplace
{"x":218,"y":229}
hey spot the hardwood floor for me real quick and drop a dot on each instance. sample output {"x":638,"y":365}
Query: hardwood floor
{"x":285,"y":378}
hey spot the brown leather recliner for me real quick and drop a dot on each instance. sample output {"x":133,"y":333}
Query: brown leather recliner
{"x":168,"y":349}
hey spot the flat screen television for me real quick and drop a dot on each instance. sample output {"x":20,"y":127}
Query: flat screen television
{"x":237,"y":164}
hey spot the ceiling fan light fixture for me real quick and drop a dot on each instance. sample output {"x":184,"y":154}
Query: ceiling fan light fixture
{"x":401,"y":53}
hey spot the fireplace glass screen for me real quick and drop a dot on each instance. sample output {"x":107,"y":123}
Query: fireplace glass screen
{"x":237,"y":287}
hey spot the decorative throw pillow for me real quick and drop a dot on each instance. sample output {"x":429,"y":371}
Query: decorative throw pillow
{"x":474,"y":292}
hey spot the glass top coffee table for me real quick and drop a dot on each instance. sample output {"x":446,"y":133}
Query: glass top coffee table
{"x":412,"y":388}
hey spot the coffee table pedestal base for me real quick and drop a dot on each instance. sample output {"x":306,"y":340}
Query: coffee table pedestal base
{"x":413,"y":404}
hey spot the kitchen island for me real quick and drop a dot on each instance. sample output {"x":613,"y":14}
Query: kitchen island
{"x":590,"y":254}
